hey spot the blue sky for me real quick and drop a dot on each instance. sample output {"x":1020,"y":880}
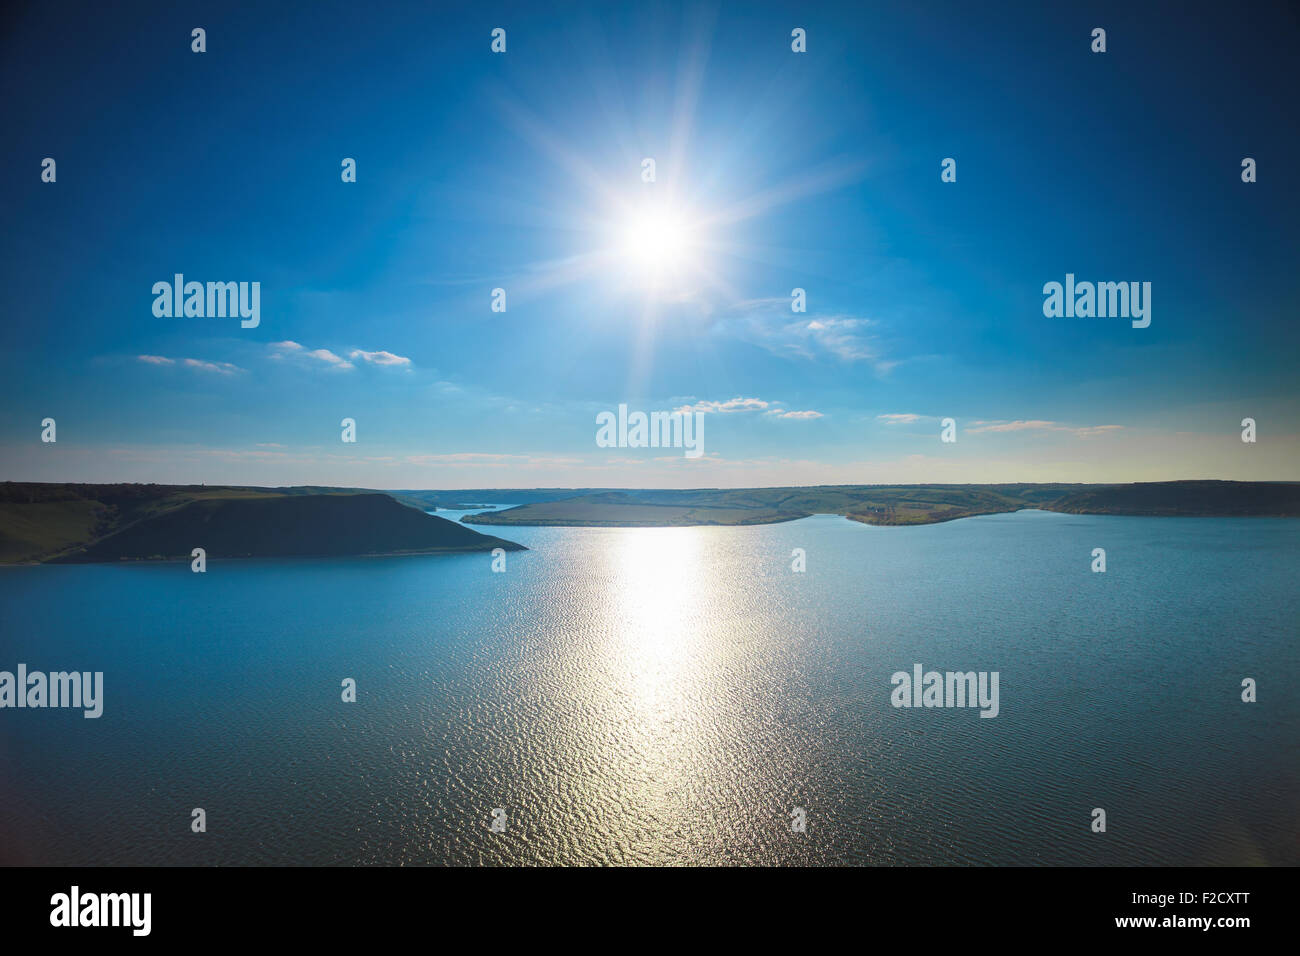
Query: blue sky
{"x":522,"y":171}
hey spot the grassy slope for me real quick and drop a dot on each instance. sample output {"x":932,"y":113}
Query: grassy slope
{"x":624,"y":511}
{"x":29,"y":531}
{"x":903,"y":504}
{"x":899,"y":504}
{"x":465,"y":499}
{"x":48,"y":522}
{"x":1173,"y":498}
{"x":41,"y":522}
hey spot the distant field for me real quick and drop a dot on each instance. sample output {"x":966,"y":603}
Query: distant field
{"x":28,"y":531}
{"x":67,"y":522}
{"x":1224,"y":499}
{"x":869,"y":504}
{"x":603,"y":513}
{"x":897,"y":504}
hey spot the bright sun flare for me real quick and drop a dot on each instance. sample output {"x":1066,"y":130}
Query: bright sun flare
{"x":657,"y":242}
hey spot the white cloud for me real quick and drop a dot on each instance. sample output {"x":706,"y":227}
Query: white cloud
{"x":221,"y":368}
{"x":739,"y":404}
{"x":839,"y":335}
{"x":899,"y":418}
{"x":379,"y":358}
{"x":288,"y":348}
{"x":1022,"y":425}
{"x":1017,"y":426}
{"x":1092,"y":431}
{"x":469,"y":458}
{"x":731,"y":405}
{"x":329,"y":358}
{"x":847,"y":338}
{"x":806,"y":415}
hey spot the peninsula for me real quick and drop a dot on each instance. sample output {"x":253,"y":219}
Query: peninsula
{"x":891,"y":504}
{"x":56,"y":523}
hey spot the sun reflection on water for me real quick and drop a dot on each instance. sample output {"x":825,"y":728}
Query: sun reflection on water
{"x":657,"y":612}
{"x":660,"y":653}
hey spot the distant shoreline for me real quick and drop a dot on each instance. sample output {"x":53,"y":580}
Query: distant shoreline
{"x":861,"y":519}
{"x":43,"y":523}
{"x":897,"y":505}
{"x":246,"y":557}
{"x":82,"y":524}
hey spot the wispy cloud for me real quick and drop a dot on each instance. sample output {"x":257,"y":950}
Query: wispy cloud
{"x":727,"y":407}
{"x":1092,"y":431}
{"x":899,"y":418}
{"x":289,"y":349}
{"x":221,"y":368}
{"x":807,"y":414}
{"x":294,"y":350}
{"x":1016,"y":426}
{"x":1025,"y":425}
{"x":329,"y":358}
{"x":379,"y":358}
{"x":843,"y":338}
{"x":770,"y":409}
{"x":483,"y":458}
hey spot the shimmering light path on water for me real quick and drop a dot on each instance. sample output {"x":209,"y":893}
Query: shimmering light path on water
{"x":669,"y":695}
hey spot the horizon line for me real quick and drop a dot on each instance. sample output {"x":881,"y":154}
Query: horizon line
{"x":875,"y":484}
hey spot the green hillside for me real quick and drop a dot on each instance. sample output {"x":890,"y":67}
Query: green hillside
{"x":77,"y":523}
{"x":634,"y":510}
{"x":872,"y":504}
{"x":1197,"y":498}
{"x":894,"y":504}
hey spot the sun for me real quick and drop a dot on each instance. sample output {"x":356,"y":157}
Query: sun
{"x":656,"y":242}
{"x":678,"y":238}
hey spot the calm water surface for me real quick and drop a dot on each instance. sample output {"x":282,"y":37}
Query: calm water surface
{"x":669,"y":695}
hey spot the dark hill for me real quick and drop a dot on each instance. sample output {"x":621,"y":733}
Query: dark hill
{"x":288,"y":526}
{"x":1186,"y":498}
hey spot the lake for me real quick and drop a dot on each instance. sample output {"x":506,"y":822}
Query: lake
{"x":650,"y":696}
